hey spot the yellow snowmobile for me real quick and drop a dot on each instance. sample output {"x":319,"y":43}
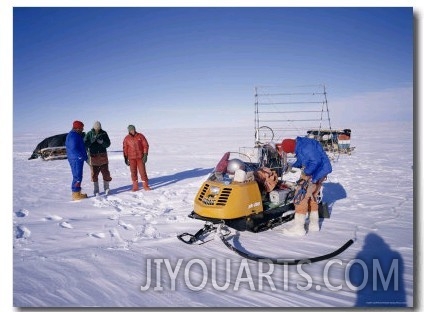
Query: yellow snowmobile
{"x":251,"y":196}
{"x":245,"y":195}
{"x":236,"y":195}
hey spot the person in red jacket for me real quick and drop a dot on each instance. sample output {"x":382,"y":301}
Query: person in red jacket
{"x":136,"y":149}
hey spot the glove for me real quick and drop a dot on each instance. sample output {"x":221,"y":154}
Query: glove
{"x":100,"y":141}
{"x":144,"y":158}
{"x":127,"y":162}
{"x":305,"y":177}
{"x":93,"y":139}
{"x":310,"y":190}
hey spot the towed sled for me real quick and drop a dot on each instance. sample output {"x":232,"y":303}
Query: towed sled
{"x":51,"y":148}
{"x":53,"y":153}
{"x":333,"y":140}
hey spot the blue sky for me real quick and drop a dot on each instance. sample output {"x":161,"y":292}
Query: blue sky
{"x":197,"y":67}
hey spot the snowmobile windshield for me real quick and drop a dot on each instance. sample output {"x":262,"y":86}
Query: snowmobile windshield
{"x":229,"y":170}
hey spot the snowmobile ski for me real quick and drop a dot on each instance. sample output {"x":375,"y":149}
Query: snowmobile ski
{"x":199,"y":235}
{"x":252,"y":224}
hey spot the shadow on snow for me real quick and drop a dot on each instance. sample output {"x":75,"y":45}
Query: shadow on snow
{"x":378,"y":274}
{"x":179,"y":176}
{"x":333,"y":192}
{"x":162,"y":181}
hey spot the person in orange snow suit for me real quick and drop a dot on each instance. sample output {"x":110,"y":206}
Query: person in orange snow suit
{"x":77,"y":155}
{"x":315,"y":165}
{"x":136,"y":149}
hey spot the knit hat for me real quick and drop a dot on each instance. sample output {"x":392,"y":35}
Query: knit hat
{"x":77,"y":125}
{"x":288,"y":145}
{"x":131,"y":127}
{"x":97,"y":125}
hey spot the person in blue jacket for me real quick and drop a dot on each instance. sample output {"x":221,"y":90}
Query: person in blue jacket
{"x":315,"y":165}
{"x":77,"y":155}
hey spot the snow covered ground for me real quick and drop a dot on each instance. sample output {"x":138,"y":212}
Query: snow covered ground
{"x":122,"y":251}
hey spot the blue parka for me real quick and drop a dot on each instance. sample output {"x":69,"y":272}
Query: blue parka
{"x":312,"y":157}
{"x":75,"y":148}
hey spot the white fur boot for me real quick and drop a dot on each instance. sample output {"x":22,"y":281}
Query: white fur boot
{"x":298,"y":227}
{"x":313,"y":221}
{"x":96,"y":188}
{"x":106,"y":187}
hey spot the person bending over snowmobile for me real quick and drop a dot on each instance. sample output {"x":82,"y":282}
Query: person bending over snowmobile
{"x":316,"y":166}
{"x":136,"y":149}
{"x":77,"y":155}
{"x":97,"y":141}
